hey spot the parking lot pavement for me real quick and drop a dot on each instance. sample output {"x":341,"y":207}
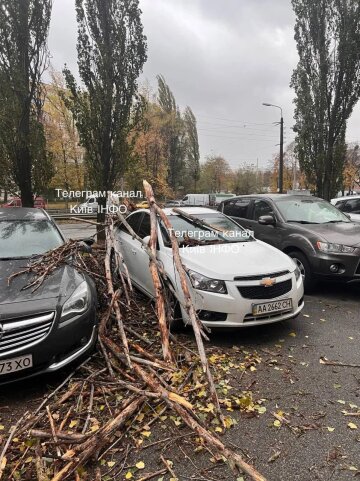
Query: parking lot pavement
{"x":314,"y":396}
{"x":317,"y":444}
{"x":78,"y":230}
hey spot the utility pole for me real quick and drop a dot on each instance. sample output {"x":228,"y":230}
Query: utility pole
{"x":281,"y":161}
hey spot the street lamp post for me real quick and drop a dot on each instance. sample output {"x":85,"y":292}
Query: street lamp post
{"x":281,"y":161}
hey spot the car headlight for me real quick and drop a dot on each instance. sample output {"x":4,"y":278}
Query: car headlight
{"x":77,"y":303}
{"x":297,"y":273}
{"x":334,"y":248}
{"x":203,"y":283}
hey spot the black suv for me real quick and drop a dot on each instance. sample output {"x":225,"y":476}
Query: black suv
{"x":45,"y":329}
{"x":323,"y":242}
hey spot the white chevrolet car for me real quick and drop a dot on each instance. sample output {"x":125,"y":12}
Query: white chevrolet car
{"x":234,"y":279}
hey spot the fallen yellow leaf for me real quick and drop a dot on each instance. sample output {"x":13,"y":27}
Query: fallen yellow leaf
{"x":180,"y":400}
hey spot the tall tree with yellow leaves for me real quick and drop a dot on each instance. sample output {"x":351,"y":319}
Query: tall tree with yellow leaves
{"x":62,"y":137}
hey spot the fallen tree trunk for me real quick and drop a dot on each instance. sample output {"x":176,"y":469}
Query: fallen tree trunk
{"x":189,"y":306}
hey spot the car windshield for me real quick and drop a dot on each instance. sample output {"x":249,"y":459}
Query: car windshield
{"x":219,"y":229}
{"x":22,"y":238}
{"x":310,"y":211}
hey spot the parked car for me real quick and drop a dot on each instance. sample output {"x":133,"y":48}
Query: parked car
{"x":228,"y":284}
{"x":175,"y":203}
{"x":91,"y":205}
{"x":324,"y":243}
{"x":39,"y":203}
{"x":41,"y":331}
{"x":143,"y":204}
{"x":220,"y":196}
{"x":199,"y":199}
{"x":350,"y":205}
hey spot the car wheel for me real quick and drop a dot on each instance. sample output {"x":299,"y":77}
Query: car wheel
{"x":174,"y":314}
{"x":305,"y":269}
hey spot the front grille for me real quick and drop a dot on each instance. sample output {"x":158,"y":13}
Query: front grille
{"x":18,"y":333}
{"x":265,"y":317}
{"x":262,"y":292}
{"x":262,"y":276}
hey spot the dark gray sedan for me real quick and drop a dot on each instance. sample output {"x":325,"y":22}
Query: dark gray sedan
{"x":41,"y":331}
{"x":323,"y":242}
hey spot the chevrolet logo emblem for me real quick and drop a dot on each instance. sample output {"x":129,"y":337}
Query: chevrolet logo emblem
{"x":267,"y":282}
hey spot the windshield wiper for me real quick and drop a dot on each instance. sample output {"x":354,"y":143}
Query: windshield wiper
{"x":33,"y":256}
{"x":13,"y":258}
{"x":303,"y":222}
{"x":335,"y":221}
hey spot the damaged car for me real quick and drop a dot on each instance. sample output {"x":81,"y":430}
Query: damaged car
{"x":234,"y":280}
{"x":43,"y":329}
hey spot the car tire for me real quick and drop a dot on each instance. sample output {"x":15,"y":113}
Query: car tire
{"x":176,"y":322}
{"x":305,"y":269}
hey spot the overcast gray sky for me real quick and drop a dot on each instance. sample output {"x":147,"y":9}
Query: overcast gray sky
{"x":223,"y":58}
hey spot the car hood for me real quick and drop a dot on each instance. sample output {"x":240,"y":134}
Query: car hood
{"x":347,"y":233}
{"x":60,"y":283}
{"x":227,"y":261}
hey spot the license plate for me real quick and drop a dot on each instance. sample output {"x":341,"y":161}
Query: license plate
{"x":270,"y":307}
{"x":8,"y":366}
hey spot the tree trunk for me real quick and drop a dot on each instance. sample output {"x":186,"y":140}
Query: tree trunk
{"x":24,"y":177}
{"x":23,"y":154}
{"x":100,"y":231}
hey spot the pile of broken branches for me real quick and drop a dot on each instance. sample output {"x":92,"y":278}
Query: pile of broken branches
{"x":138,"y":376}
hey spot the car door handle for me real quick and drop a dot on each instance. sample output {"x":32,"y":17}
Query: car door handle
{"x":133,"y":251}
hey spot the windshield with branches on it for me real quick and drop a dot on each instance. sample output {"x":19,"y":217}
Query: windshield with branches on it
{"x":217,"y":229}
{"x":21,"y":239}
{"x":310,"y":211}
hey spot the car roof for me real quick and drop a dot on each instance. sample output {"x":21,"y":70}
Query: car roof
{"x":188,"y":210}
{"x":22,"y":213}
{"x":347,"y":197}
{"x":273,"y":197}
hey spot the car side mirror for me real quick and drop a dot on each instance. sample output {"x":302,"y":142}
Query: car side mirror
{"x":267,"y":220}
{"x":146,"y":240}
{"x":89,"y":241}
{"x":84,"y":247}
